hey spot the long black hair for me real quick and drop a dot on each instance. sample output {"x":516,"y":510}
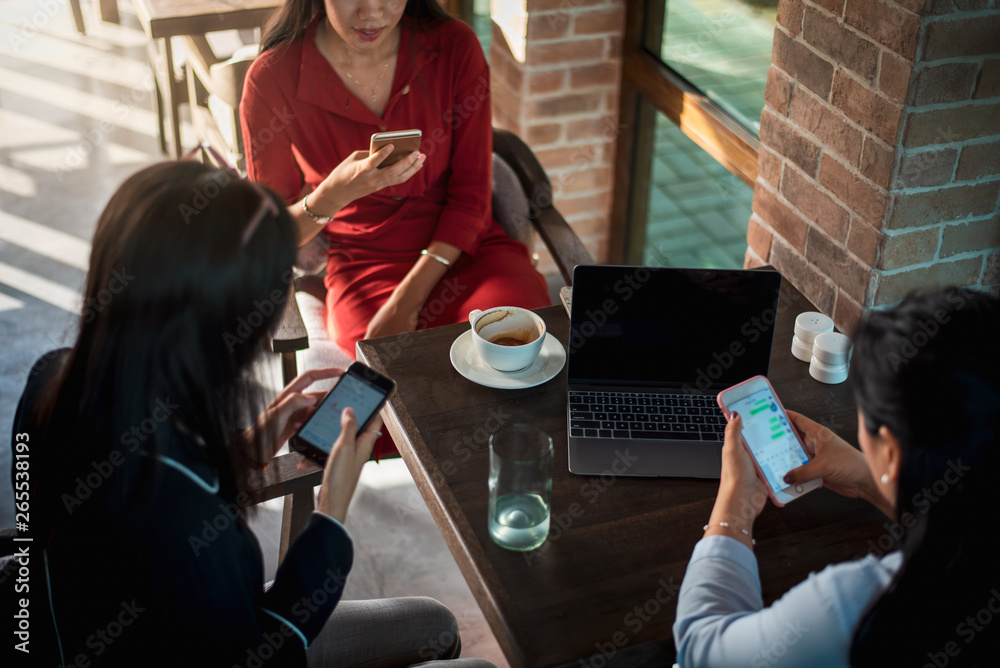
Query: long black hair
{"x":176,"y":307}
{"x":292,"y":19}
{"x":929,"y":370}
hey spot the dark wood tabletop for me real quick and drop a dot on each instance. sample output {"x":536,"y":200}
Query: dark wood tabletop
{"x":603,"y":588}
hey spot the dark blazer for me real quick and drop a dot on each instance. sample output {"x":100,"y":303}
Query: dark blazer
{"x":176,"y":580}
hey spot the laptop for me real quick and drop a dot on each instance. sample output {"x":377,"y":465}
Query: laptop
{"x":649,"y":349}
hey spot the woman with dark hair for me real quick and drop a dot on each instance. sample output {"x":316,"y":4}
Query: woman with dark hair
{"x":927,"y":382}
{"x":140,"y":440}
{"x":411,"y":245}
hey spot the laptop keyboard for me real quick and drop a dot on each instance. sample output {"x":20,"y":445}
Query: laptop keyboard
{"x":633,"y":415}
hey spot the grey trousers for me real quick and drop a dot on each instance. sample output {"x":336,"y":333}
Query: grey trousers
{"x":390,"y":633}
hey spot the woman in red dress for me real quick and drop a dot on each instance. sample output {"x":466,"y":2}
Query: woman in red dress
{"x":413,"y":245}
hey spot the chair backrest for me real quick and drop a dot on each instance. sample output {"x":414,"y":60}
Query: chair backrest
{"x":511,"y":208}
{"x":223,"y":77}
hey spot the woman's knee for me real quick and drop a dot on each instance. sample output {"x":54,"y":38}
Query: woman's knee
{"x":441,"y":628}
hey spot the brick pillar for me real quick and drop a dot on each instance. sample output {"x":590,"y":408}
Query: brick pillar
{"x":879,"y":165}
{"x":555,"y":76}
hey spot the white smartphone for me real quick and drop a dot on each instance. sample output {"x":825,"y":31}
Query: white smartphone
{"x":769,"y":437}
{"x":404,"y":142}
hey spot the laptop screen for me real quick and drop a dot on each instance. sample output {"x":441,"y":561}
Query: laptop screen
{"x":691,"y":329}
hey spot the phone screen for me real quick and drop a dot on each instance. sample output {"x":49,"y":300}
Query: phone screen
{"x":769,"y":436}
{"x":323,"y":427}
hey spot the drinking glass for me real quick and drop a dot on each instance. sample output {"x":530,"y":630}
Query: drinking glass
{"x":520,"y":486}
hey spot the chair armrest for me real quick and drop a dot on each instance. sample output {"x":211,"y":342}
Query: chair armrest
{"x":291,"y":335}
{"x":200,"y":57}
{"x":565,"y":246}
{"x":282,"y":477}
{"x":311,"y":284}
{"x":223,"y":78}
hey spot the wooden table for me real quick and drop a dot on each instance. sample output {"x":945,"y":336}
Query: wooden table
{"x":163,"y":19}
{"x":605,"y":584}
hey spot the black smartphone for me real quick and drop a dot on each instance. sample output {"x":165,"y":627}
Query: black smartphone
{"x":360,"y":388}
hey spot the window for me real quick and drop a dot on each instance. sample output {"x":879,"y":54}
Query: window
{"x":692,"y":92}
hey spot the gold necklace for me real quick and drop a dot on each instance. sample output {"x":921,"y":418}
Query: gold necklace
{"x":377,"y":83}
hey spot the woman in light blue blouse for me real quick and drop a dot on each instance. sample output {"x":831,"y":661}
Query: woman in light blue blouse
{"x":927,"y":383}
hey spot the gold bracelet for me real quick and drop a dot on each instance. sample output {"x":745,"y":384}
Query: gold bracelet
{"x":442,"y":260}
{"x":727,"y":525}
{"x":317,"y":218}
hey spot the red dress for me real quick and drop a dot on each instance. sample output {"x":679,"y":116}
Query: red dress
{"x":300,"y":121}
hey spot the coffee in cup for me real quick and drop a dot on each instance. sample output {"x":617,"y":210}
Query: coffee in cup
{"x":508,"y":338}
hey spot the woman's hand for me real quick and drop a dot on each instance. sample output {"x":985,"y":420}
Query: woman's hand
{"x":289,"y":410}
{"x":841,"y":466}
{"x":739,"y":480}
{"x":343,"y":466}
{"x":742,"y":493}
{"x":394,"y":317}
{"x":358,"y":176}
{"x":401,"y":311}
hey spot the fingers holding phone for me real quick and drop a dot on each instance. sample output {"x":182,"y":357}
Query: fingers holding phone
{"x":289,"y":410}
{"x":361,"y":389}
{"x":390,"y":161}
{"x":343,"y":467}
{"x":841,"y":466}
{"x":403,"y":144}
{"x":341,"y":432}
{"x":737,"y":467}
{"x":359,"y":176}
{"x":397,"y":155}
{"x":775,"y":448}
{"x":401,"y":170}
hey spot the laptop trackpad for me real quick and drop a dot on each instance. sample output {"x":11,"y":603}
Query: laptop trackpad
{"x":676,"y":459}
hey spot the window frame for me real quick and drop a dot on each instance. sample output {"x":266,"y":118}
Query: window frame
{"x":648,"y":86}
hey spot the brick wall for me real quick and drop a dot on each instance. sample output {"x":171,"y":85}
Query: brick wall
{"x":879,"y":166}
{"x":555,"y":75}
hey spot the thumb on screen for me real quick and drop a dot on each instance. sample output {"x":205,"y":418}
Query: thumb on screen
{"x":802,"y":474}
{"x":348,"y":422}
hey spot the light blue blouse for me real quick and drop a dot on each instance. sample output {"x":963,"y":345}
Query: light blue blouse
{"x":722,"y":621}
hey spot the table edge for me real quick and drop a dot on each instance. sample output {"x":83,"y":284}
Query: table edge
{"x":445,"y":509}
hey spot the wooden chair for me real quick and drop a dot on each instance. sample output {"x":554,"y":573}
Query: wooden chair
{"x":522,"y":204}
{"x":109,"y":12}
{"x":215,"y":87}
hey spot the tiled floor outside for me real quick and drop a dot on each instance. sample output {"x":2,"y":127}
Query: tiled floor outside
{"x":698,"y":211}
{"x":723,"y":47}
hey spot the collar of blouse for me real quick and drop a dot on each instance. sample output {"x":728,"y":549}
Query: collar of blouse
{"x":320,"y":85}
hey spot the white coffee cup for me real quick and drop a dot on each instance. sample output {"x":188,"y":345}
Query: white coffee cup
{"x":508,"y":338}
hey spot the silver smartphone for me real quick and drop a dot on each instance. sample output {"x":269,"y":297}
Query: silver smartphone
{"x":404,"y":143}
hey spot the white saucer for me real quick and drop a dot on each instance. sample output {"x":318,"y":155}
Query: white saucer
{"x":466,"y":361}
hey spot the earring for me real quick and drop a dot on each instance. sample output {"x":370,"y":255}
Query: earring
{"x":885,"y":478}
